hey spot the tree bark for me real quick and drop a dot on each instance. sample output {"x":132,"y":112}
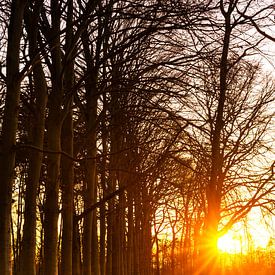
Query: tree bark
{"x":27,"y":256}
{"x":214,"y":188}
{"x":9,"y":128}
{"x":55,"y":120}
{"x":90,"y":198}
{"x":90,"y":242}
{"x":130,"y":235}
{"x":103,"y":186}
{"x":76,"y":250}
{"x":67,"y":178}
{"x":67,"y":166}
{"x":51,"y":204}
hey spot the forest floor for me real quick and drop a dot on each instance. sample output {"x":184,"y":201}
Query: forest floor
{"x":247,"y":269}
{"x":243,"y":269}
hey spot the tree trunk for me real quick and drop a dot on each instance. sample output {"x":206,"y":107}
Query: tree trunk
{"x":90,"y":246}
{"x":67,"y":178}
{"x":67,"y":166}
{"x":109,"y":259}
{"x":130,"y":236}
{"x":55,"y":120}
{"x":137,"y":234}
{"x":214,"y":188}
{"x":102,"y":238}
{"x":95,"y":245}
{"x":103,"y":186}
{"x":117,"y":181}
{"x":90,"y":198}
{"x":146,"y":241}
{"x":27,"y":256}
{"x":9,"y":128}
{"x":76,"y":250}
{"x":51,"y":204}
{"x":90,"y":242}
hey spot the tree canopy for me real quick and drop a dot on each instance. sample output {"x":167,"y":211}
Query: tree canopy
{"x":120,"y":119}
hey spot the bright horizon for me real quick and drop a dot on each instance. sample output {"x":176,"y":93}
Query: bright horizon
{"x":246,"y":238}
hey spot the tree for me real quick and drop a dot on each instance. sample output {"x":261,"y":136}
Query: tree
{"x":9,"y":127}
{"x":67,"y":165}
{"x":225,"y":137}
{"x":126,"y":109}
{"x":36,"y":139}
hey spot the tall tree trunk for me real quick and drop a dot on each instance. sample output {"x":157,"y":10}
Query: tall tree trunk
{"x":116,"y":181}
{"x":214,"y":188}
{"x":102,"y":237}
{"x":103,"y":186}
{"x":110,"y":232}
{"x":90,"y":242}
{"x":76,"y":250}
{"x":67,"y":167}
{"x":27,"y":257}
{"x":9,"y":128}
{"x":55,"y":119}
{"x":122,"y":232}
{"x":52,"y":191}
{"x":130,"y":235}
{"x":90,"y":246}
{"x":137,"y":233}
{"x":67,"y":178}
{"x":146,"y":240}
{"x":95,"y":244}
{"x":90,"y":198}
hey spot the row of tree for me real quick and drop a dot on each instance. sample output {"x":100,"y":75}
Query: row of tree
{"x":110,"y":110}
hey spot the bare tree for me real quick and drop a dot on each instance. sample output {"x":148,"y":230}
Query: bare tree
{"x":9,"y":127}
{"x":36,"y":139}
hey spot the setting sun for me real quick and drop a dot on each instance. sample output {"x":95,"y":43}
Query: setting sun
{"x":244,"y":238}
{"x":230,"y":244}
{"x":137,"y":137}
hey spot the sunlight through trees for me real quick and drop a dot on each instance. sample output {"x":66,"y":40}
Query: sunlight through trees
{"x":137,"y":137}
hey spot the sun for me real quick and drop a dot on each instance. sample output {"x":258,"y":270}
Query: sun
{"x":244,"y":238}
{"x":229,"y":243}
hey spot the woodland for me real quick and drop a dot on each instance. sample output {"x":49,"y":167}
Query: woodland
{"x":122,"y":122}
